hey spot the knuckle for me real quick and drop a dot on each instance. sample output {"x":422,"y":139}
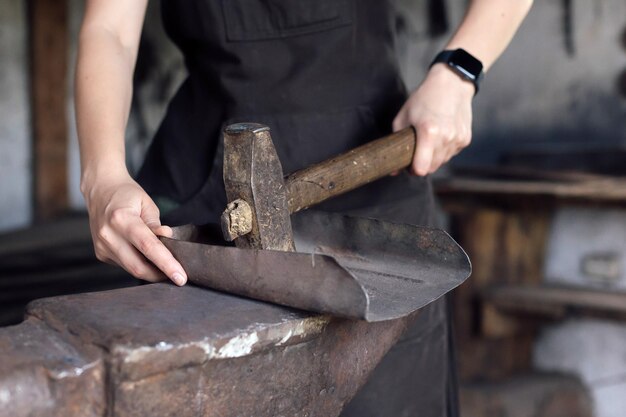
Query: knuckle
{"x":137,"y":270}
{"x":434,"y":166}
{"x":465,"y":134}
{"x":102,"y":235}
{"x":146,"y":244}
{"x":428,"y":128}
{"x":420,"y":168}
{"x":412,"y":117}
{"x":424,"y":156}
{"x":117,"y":217}
{"x":151,"y":215}
{"x":100,"y":256}
{"x":99,"y":248}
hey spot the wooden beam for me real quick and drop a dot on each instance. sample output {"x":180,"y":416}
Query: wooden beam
{"x":555,"y":302}
{"x":459,"y":193}
{"x":48,"y":27}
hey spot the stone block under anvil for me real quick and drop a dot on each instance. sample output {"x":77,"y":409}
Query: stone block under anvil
{"x":158,"y":350}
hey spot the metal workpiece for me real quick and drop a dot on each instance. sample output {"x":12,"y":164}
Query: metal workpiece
{"x":348,"y":267}
{"x":313,"y":282}
{"x":253,"y":173}
{"x":356,"y":268}
{"x":400,"y":267}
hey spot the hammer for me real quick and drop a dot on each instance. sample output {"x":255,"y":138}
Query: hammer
{"x":261,"y":199}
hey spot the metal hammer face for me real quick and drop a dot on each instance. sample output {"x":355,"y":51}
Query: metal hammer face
{"x":258,"y":215}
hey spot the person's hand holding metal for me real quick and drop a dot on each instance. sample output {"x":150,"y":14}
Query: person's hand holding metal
{"x":124,"y":224}
{"x":440,"y":111}
{"x":124,"y":220}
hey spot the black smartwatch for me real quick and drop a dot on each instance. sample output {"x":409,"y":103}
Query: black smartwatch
{"x":462,"y":63}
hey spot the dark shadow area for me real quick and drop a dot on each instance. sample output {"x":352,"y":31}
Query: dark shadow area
{"x":51,"y":259}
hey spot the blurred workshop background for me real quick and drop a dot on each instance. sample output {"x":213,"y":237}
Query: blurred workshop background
{"x":538,"y":200}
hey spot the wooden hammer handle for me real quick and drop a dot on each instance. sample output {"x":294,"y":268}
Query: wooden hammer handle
{"x":350,"y":170}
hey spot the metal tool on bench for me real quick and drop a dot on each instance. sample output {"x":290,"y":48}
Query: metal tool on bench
{"x":350,"y":267}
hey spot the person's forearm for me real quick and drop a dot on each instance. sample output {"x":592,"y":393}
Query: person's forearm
{"x":488,"y":27}
{"x":104,"y":75}
{"x":443,"y":122}
{"x":123,"y":219}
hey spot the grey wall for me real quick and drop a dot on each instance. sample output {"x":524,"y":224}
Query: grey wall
{"x":73,"y":171}
{"x":594,"y":349}
{"x":15,"y":161}
{"x":539,"y":91}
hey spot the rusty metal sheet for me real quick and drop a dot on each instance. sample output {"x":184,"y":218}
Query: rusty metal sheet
{"x":345,"y":266}
{"x":401,"y":267}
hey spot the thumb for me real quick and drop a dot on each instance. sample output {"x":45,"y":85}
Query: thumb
{"x":165,"y":231}
{"x":400,"y":121}
{"x":150,"y":214}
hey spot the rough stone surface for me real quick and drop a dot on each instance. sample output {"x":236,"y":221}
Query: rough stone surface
{"x":195,"y":352}
{"x":43,"y":374}
{"x":532,"y":395}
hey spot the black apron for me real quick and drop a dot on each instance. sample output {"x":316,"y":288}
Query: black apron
{"x":322,"y":74}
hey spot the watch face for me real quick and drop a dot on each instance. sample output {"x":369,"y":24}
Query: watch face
{"x":466,"y":64}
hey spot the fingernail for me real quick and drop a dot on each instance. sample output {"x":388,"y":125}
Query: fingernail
{"x":178,"y":278}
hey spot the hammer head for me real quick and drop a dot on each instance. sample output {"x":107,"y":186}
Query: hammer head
{"x":254,"y":183}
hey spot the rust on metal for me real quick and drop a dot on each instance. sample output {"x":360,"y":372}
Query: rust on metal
{"x":236,"y":220}
{"x":349,"y":267}
{"x":253,"y":173}
{"x":186,"y":352}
